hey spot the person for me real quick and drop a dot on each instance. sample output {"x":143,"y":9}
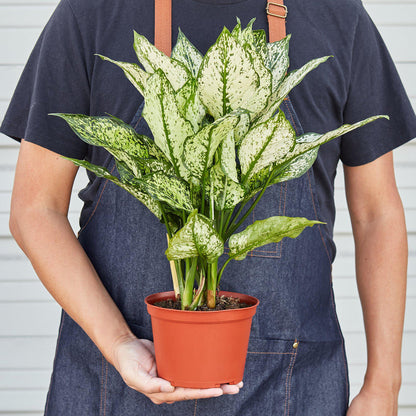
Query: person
{"x":296,"y":363}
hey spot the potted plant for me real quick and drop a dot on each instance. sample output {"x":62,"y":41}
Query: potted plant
{"x":220,"y":141}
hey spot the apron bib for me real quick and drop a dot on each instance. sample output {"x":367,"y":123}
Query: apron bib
{"x":296,"y":362}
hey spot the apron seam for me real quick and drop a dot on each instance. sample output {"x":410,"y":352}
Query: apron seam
{"x":105,"y":387}
{"x":195,"y":408}
{"x":270,"y":353}
{"x":96,"y":205}
{"x":316,"y":218}
{"x":54,"y":361}
{"x":289,"y":381}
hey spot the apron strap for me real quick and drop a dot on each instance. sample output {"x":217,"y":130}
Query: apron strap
{"x":163,"y":26}
{"x":276,"y":15}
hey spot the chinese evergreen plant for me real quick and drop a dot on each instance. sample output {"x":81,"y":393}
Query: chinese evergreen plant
{"x":219,"y":141}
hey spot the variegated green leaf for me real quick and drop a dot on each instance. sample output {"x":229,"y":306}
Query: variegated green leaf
{"x":242,"y":128}
{"x":168,"y":126}
{"x":190,"y":105}
{"x":277,"y":60}
{"x":197,"y":237}
{"x":117,"y":137}
{"x":228,"y":80}
{"x":133,"y":72}
{"x":184,"y":51}
{"x":293,"y":79}
{"x":153,"y":59}
{"x":227,"y":157}
{"x":134,"y":190}
{"x":169,"y":189}
{"x":227,"y":193}
{"x":200,"y":148}
{"x":270,"y":230}
{"x":265,"y":144}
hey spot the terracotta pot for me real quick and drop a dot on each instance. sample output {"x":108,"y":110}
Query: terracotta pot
{"x":201,"y":349}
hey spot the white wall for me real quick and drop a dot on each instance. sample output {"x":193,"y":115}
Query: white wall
{"x":29,"y":317}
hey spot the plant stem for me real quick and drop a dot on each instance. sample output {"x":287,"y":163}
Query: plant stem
{"x":247,"y":213}
{"x":189,"y":283}
{"x":212,"y":284}
{"x":222,"y":270}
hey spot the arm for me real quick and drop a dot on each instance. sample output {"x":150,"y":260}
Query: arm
{"x":379,"y":230}
{"x":38,"y":222}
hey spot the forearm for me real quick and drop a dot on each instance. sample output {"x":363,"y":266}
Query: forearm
{"x":381,"y":264}
{"x":47,"y":239}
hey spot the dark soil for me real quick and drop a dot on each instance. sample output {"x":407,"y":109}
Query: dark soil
{"x":222,"y":303}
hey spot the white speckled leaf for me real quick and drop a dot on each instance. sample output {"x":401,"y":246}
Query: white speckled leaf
{"x":227,"y":193}
{"x":227,"y":79}
{"x":114,"y":135}
{"x":277,"y":60}
{"x":169,"y":189}
{"x":152,"y":59}
{"x":265,"y":144}
{"x":270,"y":230}
{"x":168,"y":126}
{"x":190,"y":105}
{"x":184,"y":51}
{"x":227,"y":157}
{"x":292,"y":79}
{"x":197,"y":237}
{"x":134,"y":190}
{"x":200,"y":148}
{"x":133,"y":72}
{"x":242,"y":128}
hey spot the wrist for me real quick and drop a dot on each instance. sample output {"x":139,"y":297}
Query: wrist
{"x":117,"y":343}
{"x":384,"y":382}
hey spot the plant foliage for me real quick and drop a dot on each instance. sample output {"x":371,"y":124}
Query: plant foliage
{"x":219,"y":140}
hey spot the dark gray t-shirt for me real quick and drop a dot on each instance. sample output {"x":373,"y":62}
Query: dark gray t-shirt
{"x":63,"y":75}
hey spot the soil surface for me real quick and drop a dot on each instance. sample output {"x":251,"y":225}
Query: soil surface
{"x":222,"y":303}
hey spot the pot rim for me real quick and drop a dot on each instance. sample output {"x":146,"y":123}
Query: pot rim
{"x":241,"y":313}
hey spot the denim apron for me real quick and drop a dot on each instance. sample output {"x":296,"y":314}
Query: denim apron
{"x":296,"y":362}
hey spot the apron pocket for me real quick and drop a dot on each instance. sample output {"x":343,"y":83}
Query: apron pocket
{"x":268,"y":376}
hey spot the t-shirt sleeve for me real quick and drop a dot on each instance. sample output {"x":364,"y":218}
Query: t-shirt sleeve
{"x":55,"y":80}
{"x":375,"y":88}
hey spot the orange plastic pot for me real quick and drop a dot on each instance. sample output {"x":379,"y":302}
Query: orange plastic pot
{"x":201,"y":349}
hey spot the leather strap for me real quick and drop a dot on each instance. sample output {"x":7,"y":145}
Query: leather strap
{"x":163,"y":26}
{"x":276,"y":17}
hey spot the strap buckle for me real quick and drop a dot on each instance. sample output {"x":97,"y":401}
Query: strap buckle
{"x":281,"y":16}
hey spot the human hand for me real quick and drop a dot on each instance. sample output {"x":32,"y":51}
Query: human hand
{"x":374,"y":402}
{"x":134,"y":360}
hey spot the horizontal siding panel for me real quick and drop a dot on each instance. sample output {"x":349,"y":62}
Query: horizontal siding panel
{"x":22,"y":401}
{"x":404,"y":14}
{"x":32,"y":291}
{"x":397,"y":39}
{"x":29,"y":319}
{"x":27,"y":353}
{"x":16,"y":268}
{"x":28,"y":2}
{"x":24,"y":379}
{"x":21,"y":16}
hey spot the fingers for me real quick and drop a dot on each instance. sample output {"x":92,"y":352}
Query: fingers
{"x":232,"y":388}
{"x":181,"y":394}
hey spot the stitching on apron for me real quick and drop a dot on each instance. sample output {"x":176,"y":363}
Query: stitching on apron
{"x":196,"y":404}
{"x":343,"y":346}
{"x":316,"y":217}
{"x":288,"y":382}
{"x":101,"y":384}
{"x":96,"y":205}
{"x":54,"y":360}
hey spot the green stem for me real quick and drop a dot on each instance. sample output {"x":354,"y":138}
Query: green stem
{"x":247,"y":213}
{"x":212,"y":284}
{"x":222,"y":269}
{"x":189,"y":284}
